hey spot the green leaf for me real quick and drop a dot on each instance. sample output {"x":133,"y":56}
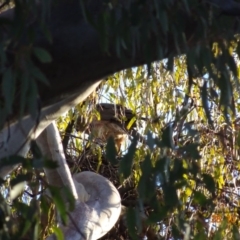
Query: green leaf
{"x":58,"y":232}
{"x":8,"y":89}
{"x":131,"y":223}
{"x":35,"y":150}
{"x":69,"y":198}
{"x":146,"y":185}
{"x":131,"y":122}
{"x":50,"y":164}
{"x":209,"y":183}
{"x":127,"y":161}
{"x":111,"y":151}
{"x":21,"y":178}
{"x":177,"y":171}
{"x":38,"y":74}
{"x":167,"y":137}
{"x":235,"y":233}
{"x":45,"y":203}
{"x":191,"y":151}
{"x":23,"y":90}
{"x":232,"y":65}
{"x":205,"y":102}
{"x":59,"y":202}
{"x":42,"y":55}
{"x":12,"y":160}
{"x":200,"y":198}
{"x":47,"y":33}
{"x":170,"y":196}
{"x":28,"y":214}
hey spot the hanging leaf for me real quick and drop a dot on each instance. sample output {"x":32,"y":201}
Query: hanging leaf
{"x":42,"y":55}
{"x":111,"y":151}
{"x":127,"y":161}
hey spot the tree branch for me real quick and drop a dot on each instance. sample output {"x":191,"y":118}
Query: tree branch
{"x":79,"y":58}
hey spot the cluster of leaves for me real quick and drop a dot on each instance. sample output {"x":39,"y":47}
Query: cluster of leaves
{"x":28,"y":202}
{"x":20,"y":76}
{"x":170,"y":28}
{"x":182,"y":182}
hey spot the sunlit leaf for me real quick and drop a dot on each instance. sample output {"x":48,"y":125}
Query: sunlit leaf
{"x":58,"y":232}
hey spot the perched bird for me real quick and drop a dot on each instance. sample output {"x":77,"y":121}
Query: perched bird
{"x":113,"y":122}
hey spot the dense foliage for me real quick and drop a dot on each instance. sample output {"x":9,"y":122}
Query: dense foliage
{"x":183,"y":181}
{"x":180,"y":181}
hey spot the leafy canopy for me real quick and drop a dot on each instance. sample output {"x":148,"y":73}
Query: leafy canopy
{"x":182,"y":183}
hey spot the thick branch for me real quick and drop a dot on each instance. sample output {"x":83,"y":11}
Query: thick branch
{"x":15,"y":139}
{"x":51,"y":147}
{"x":79,"y":58}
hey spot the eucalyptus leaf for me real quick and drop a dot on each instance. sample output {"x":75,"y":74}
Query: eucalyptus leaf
{"x":42,"y":55}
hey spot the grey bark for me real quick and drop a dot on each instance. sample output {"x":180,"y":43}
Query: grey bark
{"x":15,"y":139}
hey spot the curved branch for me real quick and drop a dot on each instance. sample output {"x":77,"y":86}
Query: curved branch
{"x":50,"y":144}
{"x":100,"y":213}
{"x":98,"y":203}
{"x":78,"y":57}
